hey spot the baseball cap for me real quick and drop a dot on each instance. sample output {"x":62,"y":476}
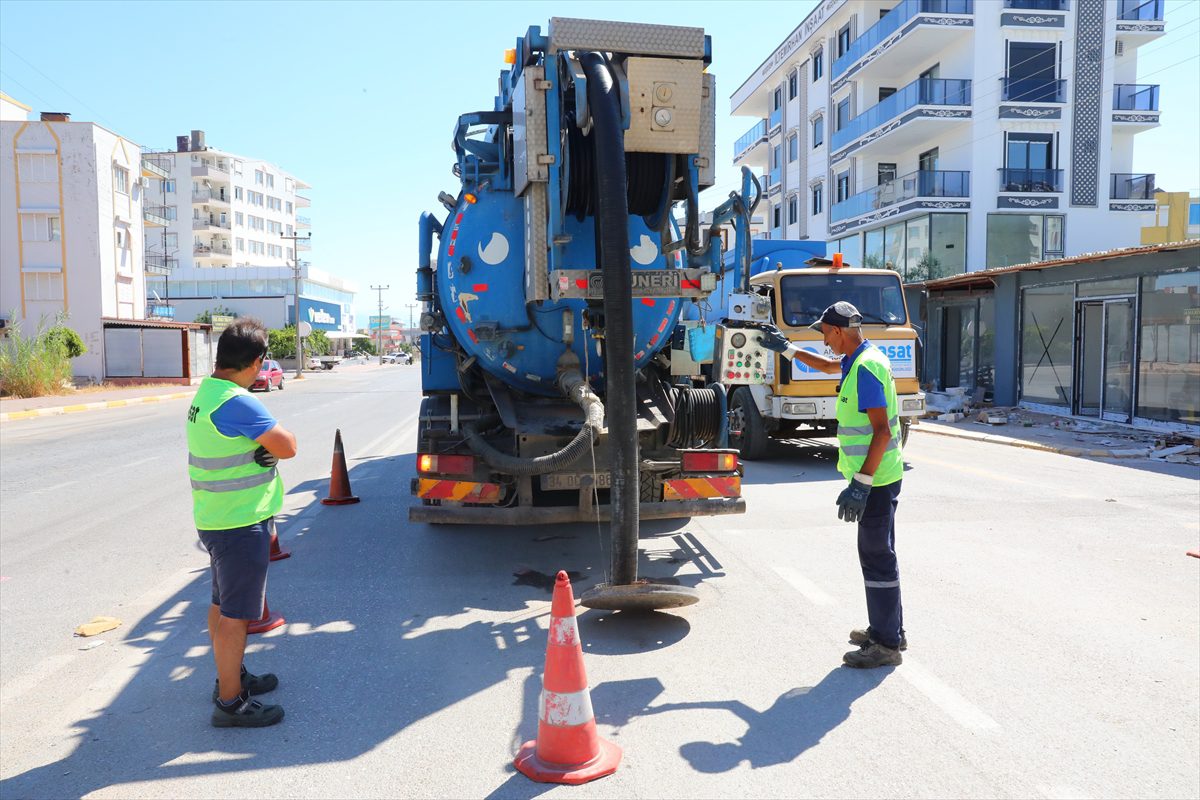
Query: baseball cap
{"x":840,"y":315}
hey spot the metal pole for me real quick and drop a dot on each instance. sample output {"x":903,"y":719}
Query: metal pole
{"x":296,"y":292}
{"x":410,"y":307}
{"x":379,"y":347}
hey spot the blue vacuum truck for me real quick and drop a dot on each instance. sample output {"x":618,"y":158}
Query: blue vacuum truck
{"x":559,"y":278}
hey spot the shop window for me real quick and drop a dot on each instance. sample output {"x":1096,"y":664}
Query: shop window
{"x":1169,"y":368}
{"x":1046,"y":346}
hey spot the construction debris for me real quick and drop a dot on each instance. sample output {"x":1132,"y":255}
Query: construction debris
{"x":1183,"y":450}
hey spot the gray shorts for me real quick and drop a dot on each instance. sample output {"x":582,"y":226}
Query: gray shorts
{"x":239,"y":558}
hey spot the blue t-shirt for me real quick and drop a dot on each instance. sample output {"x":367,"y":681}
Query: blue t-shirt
{"x":243,"y":415}
{"x":870,"y":390}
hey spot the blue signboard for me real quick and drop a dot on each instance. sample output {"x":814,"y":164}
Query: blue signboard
{"x":323,"y":315}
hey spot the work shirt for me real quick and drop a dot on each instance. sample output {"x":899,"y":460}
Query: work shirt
{"x":243,"y":415}
{"x":870,"y":390}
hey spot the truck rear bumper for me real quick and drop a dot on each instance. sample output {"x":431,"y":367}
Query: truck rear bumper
{"x":490,"y":515}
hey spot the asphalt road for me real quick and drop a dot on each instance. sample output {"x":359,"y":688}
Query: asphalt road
{"x":1051,"y":613}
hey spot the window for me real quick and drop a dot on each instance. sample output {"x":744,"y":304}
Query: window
{"x":258,"y":177}
{"x":818,"y":198}
{"x":793,"y":148}
{"x":1168,"y":377}
{"x":792,"y":86}
{"x":122,"y":238}
{"x":172,"y":241}
{"x":168,"y":186}
{"x":843,"y":40}
{"x":288,"y":228}
{"x":37,"y":168}
{"x":40,"y":228}
{"x":256,"y":199}
{"x":818,"y":132}
{"x":1032,"y":67}
{"x":43,"y":286}
{"x":884,"y":173}
{"x":818,"y":65}
{"x":1022,"y":238}
{"x":792,"y":210}
{"x":237,"y":194}
{"x":776,"y":156}
{"x":804,"y":296}
{"x":843,"y":187}
{"x":948,"y":244}
{"x":843,"y":114}
{"x":274,"y":203}
{"x":290,"y":254}
{"x":270,"y":181}
{"x":777,"y":99}
{"x":237,"y":167}
{"x":776,"y":212}
{"x":240,"y":244}
{"x":121,"y":179}
{"x":288,"y":207}
{"x":1046,"y":331}
{"x":238,"y":219}
{"x":289,"y":185}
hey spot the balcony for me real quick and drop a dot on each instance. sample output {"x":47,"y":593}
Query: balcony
{"x":303,"y":222}
{"x":158,"y":264}
{"x":156,"y":167}
{"x":1131,"y":186}
{"x":908,"y":118}
{"x":211,"y":251}
{"x":302,"y":201}
{"x":156,"y":216}
{"x":1140,"y":21}
{"x":213,"y":170}
{"x":1037,"y":5}
{"x":210,"y":223}
{"x":1033,"y":90}
{"x":303,"y":244}
{"x":922,"y":183}
{"x":1022,"y":180}
{"x":1042,"y":14}
{"x":1135,"y":106}
{"x":892,"y":44}
{"x":775,"y":119}
{"x":771,"y":181}
{"x":218,"y":197}
{"x":744,"y":149}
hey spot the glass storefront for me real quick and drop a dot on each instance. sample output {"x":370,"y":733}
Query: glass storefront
{"x":1046,"y":344}
{"x":948,"y":245}
{"x":1023,"y":238}
{"x":920,"y":249}
{"x":1169,"y":367}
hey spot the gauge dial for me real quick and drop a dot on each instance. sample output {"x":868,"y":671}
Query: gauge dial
{"x":738,"y":340}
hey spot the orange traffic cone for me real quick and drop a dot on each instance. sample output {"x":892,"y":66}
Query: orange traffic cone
{"x":339,"y":478}
{"x":269,"y":621}
{"x":277,"y":552}
{"x":567,"y":749}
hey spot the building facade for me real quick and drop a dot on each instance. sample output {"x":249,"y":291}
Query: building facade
{"x":72,"y":231}
{"x":943,"y":136}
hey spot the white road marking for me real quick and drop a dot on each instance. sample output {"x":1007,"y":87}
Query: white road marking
{"x":58,"y":486}
{"x":143,"y":461}
{"x":815,"y":594}
{"x":954,"y":704}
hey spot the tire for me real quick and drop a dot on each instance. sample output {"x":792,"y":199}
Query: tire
{"x":267,"y":388}
{"x":746,"y":429}
{"x":281,"y":383}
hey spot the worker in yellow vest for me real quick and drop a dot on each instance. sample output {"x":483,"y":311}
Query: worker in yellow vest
{"x":869,"y":458}
{"x":234,"y":444}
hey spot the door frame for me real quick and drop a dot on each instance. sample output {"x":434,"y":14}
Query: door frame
{"x":1078,"y":372}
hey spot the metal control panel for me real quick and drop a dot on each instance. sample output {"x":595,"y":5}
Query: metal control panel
{"x":742,"y":359}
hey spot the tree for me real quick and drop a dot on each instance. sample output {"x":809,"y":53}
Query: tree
{"x":66,"y":340}
{"x":220,"y":311}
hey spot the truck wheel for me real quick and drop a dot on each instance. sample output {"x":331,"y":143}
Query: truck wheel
{"x":905,"y":426}
{"x":650,"y":488}
{"x":746,"y":430}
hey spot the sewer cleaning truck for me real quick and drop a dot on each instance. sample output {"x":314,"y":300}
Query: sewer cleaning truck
{"x":552,"y":282}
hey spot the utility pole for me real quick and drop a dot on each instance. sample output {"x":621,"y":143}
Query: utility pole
{"x":410,"y":307}
{"x":294,"y":238}
{"x":379,"y":348}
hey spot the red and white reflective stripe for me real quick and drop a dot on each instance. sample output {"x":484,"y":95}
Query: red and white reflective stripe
{"x":564,"y":631}
{"x":563,"y":709}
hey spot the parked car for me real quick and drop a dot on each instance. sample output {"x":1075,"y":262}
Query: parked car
{"x":269,"y":377}
{"x":392,"y":358}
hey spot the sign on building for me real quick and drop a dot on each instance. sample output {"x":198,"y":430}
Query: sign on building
{"x":380,"y":322}
{"x":321,"y":314}
{"x":220,"y":322}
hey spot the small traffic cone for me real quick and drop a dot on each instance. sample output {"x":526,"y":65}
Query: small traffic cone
{"x":567,"y":749}
{"x":269,"y":621}
{"x":277,"y":552}
{"x":339,"y":478}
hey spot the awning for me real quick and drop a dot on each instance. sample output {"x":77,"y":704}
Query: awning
{"x":339,"y":335}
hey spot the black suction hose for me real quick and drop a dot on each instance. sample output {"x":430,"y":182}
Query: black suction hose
{"x":612,"y":236}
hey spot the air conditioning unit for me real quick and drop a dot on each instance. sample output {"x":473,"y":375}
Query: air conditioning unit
{"x":145,"y":182}
{"x":1120,"y":48}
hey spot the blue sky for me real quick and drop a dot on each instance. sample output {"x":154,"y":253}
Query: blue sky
{"x":360,"y":99}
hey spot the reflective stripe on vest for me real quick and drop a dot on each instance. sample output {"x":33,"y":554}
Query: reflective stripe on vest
{"x":855,"y":430}
{"x":229,"y":489}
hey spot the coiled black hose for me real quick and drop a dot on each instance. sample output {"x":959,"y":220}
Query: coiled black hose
{"x":697,"y":418}
{"x":646,"y":174}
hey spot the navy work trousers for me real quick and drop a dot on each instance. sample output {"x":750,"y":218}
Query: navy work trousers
{"x":877,"y":556}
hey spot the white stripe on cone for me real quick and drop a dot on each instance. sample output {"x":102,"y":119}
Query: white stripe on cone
{"x":564,"y":631}
{"x":562,"y":709}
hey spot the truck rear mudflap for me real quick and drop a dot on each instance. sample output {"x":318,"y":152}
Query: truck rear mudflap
{"x":584,"y":512}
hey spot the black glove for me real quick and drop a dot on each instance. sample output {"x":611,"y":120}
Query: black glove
{"x":773,"y":339}
{"x":263,"y":458}
{"x":852,"y":502}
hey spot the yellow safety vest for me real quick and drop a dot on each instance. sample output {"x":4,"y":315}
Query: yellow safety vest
{"x":854,"y":429}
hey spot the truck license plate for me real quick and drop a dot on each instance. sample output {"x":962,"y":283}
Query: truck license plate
{"x":572,"y":480}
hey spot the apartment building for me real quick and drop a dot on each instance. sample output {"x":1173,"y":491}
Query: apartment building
{"x":71,"y":237}
{"x":945,"y":136}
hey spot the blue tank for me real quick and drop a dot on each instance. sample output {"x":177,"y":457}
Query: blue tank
{"x":480,"y":282}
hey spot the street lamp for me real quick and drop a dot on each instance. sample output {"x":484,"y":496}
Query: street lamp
{"x":296,"y":292}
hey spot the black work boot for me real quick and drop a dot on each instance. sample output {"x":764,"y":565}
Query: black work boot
{"x":861,"y":636}
{"x":254,"y":684}
{"x":873,"y":655}
{"x":245,"y":713}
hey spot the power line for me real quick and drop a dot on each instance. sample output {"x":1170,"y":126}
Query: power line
{"x":32,"y":66}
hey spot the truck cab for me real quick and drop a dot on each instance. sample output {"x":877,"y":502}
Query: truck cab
{"x":771,"y":397}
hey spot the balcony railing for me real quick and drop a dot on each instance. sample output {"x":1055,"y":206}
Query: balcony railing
{"x":201,"y":224}
{"x":922,"y":183}
{"x":159,"y":262}
{"x":1037,"y":5}
{"x":773,"y":178}
{"x":756,"y":134}
{"x":156,"y":166}
{"x":1034,"y":90}
{"x":156,"y":215}
{"x":303,"y":222}
{"x":1135,"y":97}
{"x":211,"y":250}
{"x":216,"y":166}
{"x":208,"y":195}
{"x":892,"y":22}
{"x":1130,"y":186}
{"x":1030,"y":180}
{"x":1140,"y":10}
{"x":921,"y":92}
{"x":775,"y":119}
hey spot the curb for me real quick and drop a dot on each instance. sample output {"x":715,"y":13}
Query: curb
{"x":1140,"y":452}
{"x":55,"y":411}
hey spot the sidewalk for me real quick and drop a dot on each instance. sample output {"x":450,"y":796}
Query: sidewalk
{"x":15,"y":408}
{"x":1063,"y":435}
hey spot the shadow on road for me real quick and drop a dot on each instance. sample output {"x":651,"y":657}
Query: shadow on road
{"x":388,"y":624}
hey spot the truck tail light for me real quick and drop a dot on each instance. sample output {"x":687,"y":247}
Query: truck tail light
{"x":445,"y":465}
{"x":709,"y":461}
